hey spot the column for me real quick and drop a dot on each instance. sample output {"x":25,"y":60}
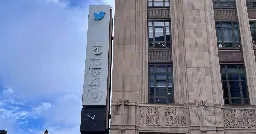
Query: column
{"x":247,"y":46}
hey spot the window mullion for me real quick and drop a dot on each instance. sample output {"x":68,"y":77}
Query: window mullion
{"x":240,"y":86}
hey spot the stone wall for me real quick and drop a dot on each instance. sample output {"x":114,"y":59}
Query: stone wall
{"x":198,"y":107}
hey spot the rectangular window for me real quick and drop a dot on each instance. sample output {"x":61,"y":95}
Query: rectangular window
{"x":253,"y":31}
{"x":158,"y":3}
{"x":224,"y":3}
{"x":234,"y":85}
{"x":159,"y":35}
{"x":160,"y":83}
{"x":228,"y":35}
{"x":251,"y":3}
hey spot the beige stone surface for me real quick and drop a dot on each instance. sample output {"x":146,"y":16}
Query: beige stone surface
{"x":247,"y":46}
{"x":198,"y":95}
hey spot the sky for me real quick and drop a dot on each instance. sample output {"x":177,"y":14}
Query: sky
{"x":42,"y":58}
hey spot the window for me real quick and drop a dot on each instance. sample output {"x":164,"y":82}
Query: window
{"x":158,"y":3}
{"x":253,"y":31}
{"x":234,"y":84}
{"x":251,"y":3}
{"x":224,"y":3}
{"x":160,"y":83}
{"x":228,"y":35}
{"x":159,"y":34}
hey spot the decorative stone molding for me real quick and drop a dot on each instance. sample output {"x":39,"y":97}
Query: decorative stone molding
{"x":225,"y":14}
{"x":159,"y":55}
{"x":239,"y":118}
{"x":252,"y":13}
{"x":230,"y":56}
{"x":159,"y":13}
{"x":163,"y":116}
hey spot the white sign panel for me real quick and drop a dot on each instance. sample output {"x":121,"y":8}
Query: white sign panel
{"x":96,"y":63}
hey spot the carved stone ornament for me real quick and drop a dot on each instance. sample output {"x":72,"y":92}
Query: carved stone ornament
{"x":239,"y":118}
{"x":163,"y":116}
{"x":229,"y":56}
{"x":252,"y":13}
{"x":225,"y":14}
{"x":159,"y":55}
{"x":158,"y":13}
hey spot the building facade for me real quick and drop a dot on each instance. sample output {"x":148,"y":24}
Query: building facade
{"x":184,"y":67}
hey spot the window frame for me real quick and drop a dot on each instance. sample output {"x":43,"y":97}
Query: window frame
{"x":216,"y":6}
{"x":154,"y":1}
{"x":164,"y":34}
{"x":168,"y":97}
{"x":235,"y":45}
{"x":253,"y":33}
{"x":230,"y":98}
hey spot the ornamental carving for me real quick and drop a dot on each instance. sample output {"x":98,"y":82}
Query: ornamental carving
{"x":239,"y":118}
{"x":252,"y":13}
{"x":230,"y":56}
{"x":159,"y":55}
{"x":225,"y":14}
{"x":163,"y":116}
{"x":158,"y":13}
{"x":175,"y":116}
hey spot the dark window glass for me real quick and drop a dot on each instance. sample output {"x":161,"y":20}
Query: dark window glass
{"x":251,"y":3}
{"x":228,"y":35}
{"x":234,"y":84}
{"x":224,"y":4}
{"x":160,"y":84}
{"x":253,"y":31}
{"x":158,"y":3}
{"x":159,"y":35}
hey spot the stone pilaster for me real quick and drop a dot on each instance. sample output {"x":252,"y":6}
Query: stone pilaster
{"x":178,"y":52}
{"x":247,"y":46}
{"x":129,"y":85}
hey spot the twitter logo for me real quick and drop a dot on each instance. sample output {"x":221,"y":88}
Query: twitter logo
{"x":99,"y":16}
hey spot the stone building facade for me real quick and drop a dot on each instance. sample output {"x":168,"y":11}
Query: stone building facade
{"x":184,"y":67}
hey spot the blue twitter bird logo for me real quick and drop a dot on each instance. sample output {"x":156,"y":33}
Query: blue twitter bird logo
{"x":99,"y":16}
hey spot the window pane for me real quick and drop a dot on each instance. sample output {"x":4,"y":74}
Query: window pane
{"x":150,"y":4}
{"x":150,"y":34}
{"x":244,"y":89}
{"x":160,"y":91}
{"x":151,"y":92}
{"x":227,"y":32}
{"x":152,"y":76}
{"x":151,"y":69}
{"x":225,"y":89}
{"x":235,"y":89}
{"x":151,"y":83}
{"x":159,"y":45}
{"x":233,"y":76}
{"x":158,"y":3}
{"x":236,"y":101}
{"x":159,"y":24}
{"x":159,"y":34}
{"x":161,"y":100}
{"x":161,"y":83}
{"x":219,"y":35}
{"x":160,"y":69}
{"x":161,"y":76}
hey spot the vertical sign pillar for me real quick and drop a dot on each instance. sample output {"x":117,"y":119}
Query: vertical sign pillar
{"x":95,"y":90}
